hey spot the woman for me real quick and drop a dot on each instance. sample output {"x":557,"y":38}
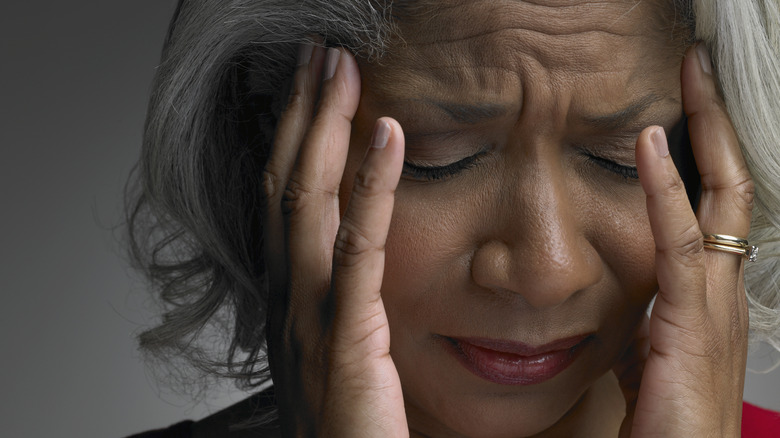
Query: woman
{"x":491,"y":186}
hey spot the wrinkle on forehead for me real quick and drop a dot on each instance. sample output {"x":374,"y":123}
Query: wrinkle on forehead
{"x":501,"y":28}
{"x":566,"y":12}
{"x":498,"y":37}
{"x":559,"y":55}
{"x":453,"y":20}
{"x":506,"y":14}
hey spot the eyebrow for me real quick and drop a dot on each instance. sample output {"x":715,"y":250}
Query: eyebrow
{"x":462,"y":113}
{"x":473,"y":114}
{"x":623,"y":117}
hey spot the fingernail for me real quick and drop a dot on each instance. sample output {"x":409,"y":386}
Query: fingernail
{"x":704,"y":58}
{"x":331,"y":62}
{"x":659,"y":140}
{"x":304,"y":53}
{"x":381,"y":134}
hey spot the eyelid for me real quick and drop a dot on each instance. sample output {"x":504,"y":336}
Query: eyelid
{"x":421,"y":164}
{"x":616,"y":141}
{"x":614,"y":164}
{"x":440,"y":172}
{"x":441,"y":148}
{"x":627,"y":172}
{"x":611,"y":149}
{"x":413,"y":138}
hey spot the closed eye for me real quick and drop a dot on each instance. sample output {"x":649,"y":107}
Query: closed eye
{"x":434,"y":173}
{"x":627,"y":172}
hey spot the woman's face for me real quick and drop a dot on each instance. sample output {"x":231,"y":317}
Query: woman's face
{"x":532,"y":229}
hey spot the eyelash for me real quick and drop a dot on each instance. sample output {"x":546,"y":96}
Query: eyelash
{"x":627,"y":172}
{"x":437,"y":173}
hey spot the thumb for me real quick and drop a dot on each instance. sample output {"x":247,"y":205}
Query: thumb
{"x":629,"y":370}
{"x":360,"y":322}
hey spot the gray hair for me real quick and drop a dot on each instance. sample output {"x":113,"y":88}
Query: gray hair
{"x":195,"y":201}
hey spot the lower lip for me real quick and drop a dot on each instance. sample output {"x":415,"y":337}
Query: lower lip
{"x":512,"y":369}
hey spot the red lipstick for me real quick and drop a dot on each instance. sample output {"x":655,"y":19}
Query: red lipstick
{"x":515,"y":363}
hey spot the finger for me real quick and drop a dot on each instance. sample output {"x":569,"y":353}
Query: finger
{"x":310,"y":201}
{"x":292,"y":126}
{"x":359,"y":255}
{"x":629,"y":370}
{"x":678,"y":239}
{"x":727,"y":189}
{"x":290,"y":130}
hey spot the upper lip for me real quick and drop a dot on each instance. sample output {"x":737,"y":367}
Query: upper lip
{"x":522,"y":349}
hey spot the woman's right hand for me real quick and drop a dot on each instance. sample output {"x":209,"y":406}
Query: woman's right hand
{"x":328,"y":336}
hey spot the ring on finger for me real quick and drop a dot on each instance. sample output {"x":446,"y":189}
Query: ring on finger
{"x":731,"y":244}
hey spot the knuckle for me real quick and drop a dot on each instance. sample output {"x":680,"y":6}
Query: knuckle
{"x":294,"y":196}
{"x":334,"y":101}
{"x":738,"y":186}
{"x":345,"y":118}
{"x":352,"y":347}
{"x":271,"y":184}
{"x":298,"y":194}
{"x":716,"y":103}
{"x":298,"y":98}
{"x":369,"y":185}
{"x":688,"y":247}
{"x":746,"y":192}
{"x":352,"y":243}
{"x":672,"y":184}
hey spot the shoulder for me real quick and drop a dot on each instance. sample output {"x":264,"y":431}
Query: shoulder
{"x":759,"y":422}
{"x":243,"y":419}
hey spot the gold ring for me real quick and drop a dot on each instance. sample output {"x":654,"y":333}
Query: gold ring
{"x":731,"y":244}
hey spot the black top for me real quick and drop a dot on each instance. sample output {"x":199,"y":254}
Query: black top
{"x":178,"y":430}
{"x":225,"y":423}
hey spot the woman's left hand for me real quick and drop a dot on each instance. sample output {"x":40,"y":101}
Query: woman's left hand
{"x":691,"y":355}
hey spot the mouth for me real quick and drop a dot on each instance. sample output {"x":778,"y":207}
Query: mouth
{"x":513,"y":363}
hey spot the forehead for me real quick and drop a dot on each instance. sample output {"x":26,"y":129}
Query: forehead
{"x":510,"y":50}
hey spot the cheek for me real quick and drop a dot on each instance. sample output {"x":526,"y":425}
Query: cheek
{"x":622,"y":236}
{"x":625,"y":243}
{"x":428,"y":251}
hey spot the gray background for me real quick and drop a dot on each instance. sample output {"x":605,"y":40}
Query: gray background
{"x":73,"y":85}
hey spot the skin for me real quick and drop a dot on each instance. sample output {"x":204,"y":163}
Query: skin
{"x":533,"y":243}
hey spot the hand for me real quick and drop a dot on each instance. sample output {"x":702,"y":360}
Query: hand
{"x":691,"y":354}
{"x":328,"y":336}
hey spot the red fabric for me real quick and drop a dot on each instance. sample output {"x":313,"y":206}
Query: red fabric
{"x":759,"y":423}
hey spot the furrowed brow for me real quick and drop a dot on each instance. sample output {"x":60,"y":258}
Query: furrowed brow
{"x":625,"y":117}
{"x":471,"y":114}
{"x":461,"y":113}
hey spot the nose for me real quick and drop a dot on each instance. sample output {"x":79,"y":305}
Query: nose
{"x":539,"y":250}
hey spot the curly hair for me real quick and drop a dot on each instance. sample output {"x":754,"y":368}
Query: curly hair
{"x":195,"y":199}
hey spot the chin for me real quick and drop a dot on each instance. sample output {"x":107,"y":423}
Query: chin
{"x":445,"y":399}
{"x":498,"y":416}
